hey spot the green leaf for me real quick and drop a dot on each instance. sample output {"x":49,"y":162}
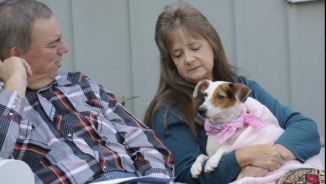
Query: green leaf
{"x":124,"y":100}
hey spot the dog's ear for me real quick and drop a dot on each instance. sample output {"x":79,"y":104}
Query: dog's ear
{"x":201,"y":86}
{"x":241,"y":91}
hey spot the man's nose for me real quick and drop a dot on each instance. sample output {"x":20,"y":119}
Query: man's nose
{"x":63,"y":48}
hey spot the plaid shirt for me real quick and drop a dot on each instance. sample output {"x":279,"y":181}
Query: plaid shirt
{"x":73,"y":130}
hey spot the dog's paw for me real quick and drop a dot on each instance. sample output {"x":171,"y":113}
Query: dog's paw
{"x":211,"y":164}
{"x":196,"y":169}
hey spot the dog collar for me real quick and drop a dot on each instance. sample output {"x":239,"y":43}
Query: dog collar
{"x":224,"y":131}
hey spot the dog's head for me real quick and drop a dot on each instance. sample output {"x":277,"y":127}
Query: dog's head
{"x":222,"y":99}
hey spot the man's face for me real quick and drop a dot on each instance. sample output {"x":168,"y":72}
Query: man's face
{"x":47,"y":49}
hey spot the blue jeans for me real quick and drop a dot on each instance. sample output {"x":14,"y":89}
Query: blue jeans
{"x":117,"y":175}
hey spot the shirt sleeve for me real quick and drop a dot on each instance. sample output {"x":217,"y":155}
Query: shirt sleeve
{"x":185,"y":149}
{"x":11,"y":109}
{"x":301,"y":136}
{"x":150,"y":156}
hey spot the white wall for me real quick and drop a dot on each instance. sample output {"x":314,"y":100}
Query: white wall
{"x":279,"y":44}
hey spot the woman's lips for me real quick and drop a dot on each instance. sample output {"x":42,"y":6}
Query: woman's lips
{"x":195,"y":68}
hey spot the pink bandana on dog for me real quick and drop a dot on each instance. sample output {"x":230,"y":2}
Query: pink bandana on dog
{"x":224,"y":131}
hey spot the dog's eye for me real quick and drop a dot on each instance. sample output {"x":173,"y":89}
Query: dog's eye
{"x":220,"y":97}
{"x":205,"y":94}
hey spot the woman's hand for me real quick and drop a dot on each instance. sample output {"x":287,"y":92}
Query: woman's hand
{"x":285,"y":153}
{"x":251,"y":171}
{"x":14,"y":72}
{"x":266,"y":156}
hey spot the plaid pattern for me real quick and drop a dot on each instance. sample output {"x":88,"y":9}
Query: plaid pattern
{"x":73,"y":130}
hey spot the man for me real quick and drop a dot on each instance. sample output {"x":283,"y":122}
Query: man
{"x":65,"y":126}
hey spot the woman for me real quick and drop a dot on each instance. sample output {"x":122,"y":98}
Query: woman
{"x":190,"y":51}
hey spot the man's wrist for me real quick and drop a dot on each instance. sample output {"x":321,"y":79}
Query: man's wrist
{"x":16,"y":84}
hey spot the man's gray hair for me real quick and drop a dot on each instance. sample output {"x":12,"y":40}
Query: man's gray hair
{"x":17,"y":18}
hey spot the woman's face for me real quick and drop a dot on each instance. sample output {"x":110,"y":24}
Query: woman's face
{"x":194,"y":58}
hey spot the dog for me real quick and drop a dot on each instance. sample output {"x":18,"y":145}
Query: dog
{"x":243,"y":121}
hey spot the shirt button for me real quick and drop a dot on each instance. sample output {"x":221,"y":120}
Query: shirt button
{"x":14,"y":106}
{"x":10,"y":114}
{"x":104,"y":168}
{"x":21,"y":136}
{"x":69,"y":135}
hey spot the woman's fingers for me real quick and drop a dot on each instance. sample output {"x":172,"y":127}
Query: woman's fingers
{"x":252,"y":171}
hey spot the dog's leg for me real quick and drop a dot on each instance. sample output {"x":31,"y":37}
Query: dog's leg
{"x":212,"y":146}
{"x":196,"y":168}
{"x":212,"y":163}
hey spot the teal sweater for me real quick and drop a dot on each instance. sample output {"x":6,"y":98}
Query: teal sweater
{"x":300,"y":136}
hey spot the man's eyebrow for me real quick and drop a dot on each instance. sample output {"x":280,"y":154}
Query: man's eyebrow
{"x":55,"y":41}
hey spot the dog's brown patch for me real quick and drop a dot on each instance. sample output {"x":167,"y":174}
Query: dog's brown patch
{"x":224,"y":96}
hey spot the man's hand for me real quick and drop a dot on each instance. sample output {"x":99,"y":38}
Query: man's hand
{"x":14,"y":72}
{"x":252,"y":171}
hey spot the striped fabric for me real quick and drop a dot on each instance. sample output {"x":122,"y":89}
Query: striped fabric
{"x":73,"y":130}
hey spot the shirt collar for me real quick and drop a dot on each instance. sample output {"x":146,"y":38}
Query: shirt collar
{"x":61,"y":79}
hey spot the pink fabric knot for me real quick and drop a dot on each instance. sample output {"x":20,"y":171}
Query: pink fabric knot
{"x":224,"y":131}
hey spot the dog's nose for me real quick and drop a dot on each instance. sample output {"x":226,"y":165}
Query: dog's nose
{"x":202,"y":111}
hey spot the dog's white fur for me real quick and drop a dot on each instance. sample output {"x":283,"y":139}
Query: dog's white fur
{"x":217,"y":114}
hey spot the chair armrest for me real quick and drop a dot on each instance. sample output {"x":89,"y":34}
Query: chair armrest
{"x":15,"y":171}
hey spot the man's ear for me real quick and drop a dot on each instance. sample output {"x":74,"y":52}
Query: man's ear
{"x":14,"y":51}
